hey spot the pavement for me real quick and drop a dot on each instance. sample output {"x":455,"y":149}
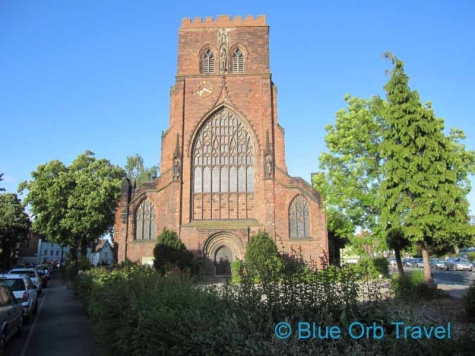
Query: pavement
{"x":60,"y":328}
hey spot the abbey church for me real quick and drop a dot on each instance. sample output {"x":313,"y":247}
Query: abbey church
{"x":223,"y":169}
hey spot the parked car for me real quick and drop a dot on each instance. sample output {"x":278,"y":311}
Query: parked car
{"x":392,"y":262}
{"x":408,"y":262}
{"x":24,"y":292}
{"x":436,"y":263}
{"x":11,"y":316}
{"x":458,"y":264}
{"x":44,"y":278}
{"x":33,"y":274}
{"x":46,"y":269}
{"x":418,"y":262}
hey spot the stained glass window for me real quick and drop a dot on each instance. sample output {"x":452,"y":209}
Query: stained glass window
{"x":299,"y":218}
{"x":145,"y":221}
{"x":223,"y":160}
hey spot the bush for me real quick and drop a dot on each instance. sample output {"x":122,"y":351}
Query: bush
{"x":468,"y":302}
{"x":170,"y":253}
{"x":471,"y":256}
{"x":414,"y":286}
{"x":136,"y":312}
{"x":262,"y":258}
{"x":237,"y":271}
{"x":70,"y":269}
{"x":371,"y":268}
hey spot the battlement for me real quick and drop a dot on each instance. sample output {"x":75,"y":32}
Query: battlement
{"x":224,"y":21}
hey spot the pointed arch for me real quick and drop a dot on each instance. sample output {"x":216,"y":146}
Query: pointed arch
{"x":299,"y":218}
{"x":223,"y":161}
{"x":238,"y":59}
{"x":145,"y":221}
{"x":208,"y":62}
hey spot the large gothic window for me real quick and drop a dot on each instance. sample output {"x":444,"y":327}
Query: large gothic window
{"x":238,"y":61}
{"x":223,"y":169}
{"x":145,"y":221}
{"x":207,"y":62}
{"x":299,"y":218}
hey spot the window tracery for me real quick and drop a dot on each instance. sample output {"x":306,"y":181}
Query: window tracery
{"x":145,"y":221}
{"x":299,"y":218}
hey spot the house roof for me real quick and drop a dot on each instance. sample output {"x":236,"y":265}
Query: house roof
{"x":100,"y":245}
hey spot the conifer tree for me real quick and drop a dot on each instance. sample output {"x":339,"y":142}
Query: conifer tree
{"x":426,"y":172}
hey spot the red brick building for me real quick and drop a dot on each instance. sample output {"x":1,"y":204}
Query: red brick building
{"x":223,"y":171}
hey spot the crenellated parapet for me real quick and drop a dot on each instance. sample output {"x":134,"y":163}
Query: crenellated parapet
{"x":224,"y":21}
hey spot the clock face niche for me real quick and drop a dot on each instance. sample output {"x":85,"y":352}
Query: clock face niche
{"x":205,"y":89}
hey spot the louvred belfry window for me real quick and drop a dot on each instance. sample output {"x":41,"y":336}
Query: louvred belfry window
{"x":238,"y":61}
{"x":207,"y":62}
{"x":223,"y":169}
{"x":299,"y":218}
{"x":145,"y":221}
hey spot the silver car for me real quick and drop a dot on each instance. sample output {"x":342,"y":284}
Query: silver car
{"x":457,"y":264}
{"x":33,"y":274}
{"x":11,"y":316}
{"x":24,"y":292}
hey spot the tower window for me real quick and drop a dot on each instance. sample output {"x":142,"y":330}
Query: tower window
{"x":207,"y":62}
{"x":238,"y":61}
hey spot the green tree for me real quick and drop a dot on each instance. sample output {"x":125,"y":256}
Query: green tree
{"x":74,"y":205}
{"x":135,"y":169}
{"x":352,"y":173}
{"x":14,"y":226}
{"x":425,"y":172}
{"x":262,"y":259}
{"x":170,"y":252}
{"x":340,"y":229}
{"x":396,"y":241}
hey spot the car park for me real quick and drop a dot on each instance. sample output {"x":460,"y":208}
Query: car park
{"x":33,"y":274}
{"x":457,"y":264}
{"x":24,"y":292}
{"x":11,"y":316}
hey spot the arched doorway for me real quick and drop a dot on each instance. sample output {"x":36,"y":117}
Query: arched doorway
{"x":222,"y":260}
{"x":220,"y":250}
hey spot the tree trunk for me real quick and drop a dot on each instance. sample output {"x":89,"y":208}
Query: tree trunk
{"x":427,"y":271}
{"x":400,"y":269}
{"x":84,"y":248}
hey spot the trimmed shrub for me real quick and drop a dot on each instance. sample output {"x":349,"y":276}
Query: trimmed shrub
{"x":170,"y":253}
{"x":262,"y":258}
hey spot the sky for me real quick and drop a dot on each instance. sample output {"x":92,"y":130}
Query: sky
{"x":95,"y":75}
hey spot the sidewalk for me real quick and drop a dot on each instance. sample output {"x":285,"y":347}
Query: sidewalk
{"x":61,"y":326}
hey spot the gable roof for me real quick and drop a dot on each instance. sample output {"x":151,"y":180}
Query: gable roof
{"x":101,"y":245}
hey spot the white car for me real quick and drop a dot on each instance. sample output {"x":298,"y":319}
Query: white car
{"x":33,"y":274}
{"x":24,"y":292}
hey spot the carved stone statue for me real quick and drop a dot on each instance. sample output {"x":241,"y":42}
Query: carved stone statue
{"x":224,"y":60}
{"x":268,"y":166}
{"x":176,"y":169}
